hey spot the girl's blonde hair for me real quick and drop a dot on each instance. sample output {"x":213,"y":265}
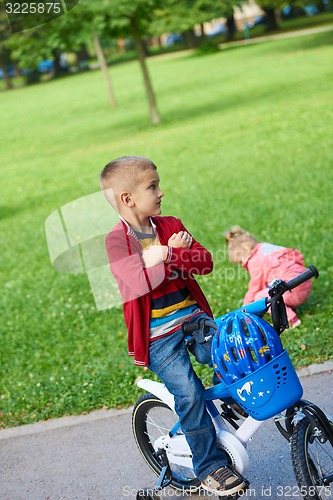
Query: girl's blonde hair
{"x":240,"y":244}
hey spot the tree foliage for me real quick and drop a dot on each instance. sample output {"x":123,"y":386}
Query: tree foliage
{"x":181,"y":15}
{"x":5,"y":33}
{"x":69,"y":32}
{"x":270,"y":7}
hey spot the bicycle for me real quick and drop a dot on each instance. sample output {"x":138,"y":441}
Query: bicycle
{"x":158,"y":435}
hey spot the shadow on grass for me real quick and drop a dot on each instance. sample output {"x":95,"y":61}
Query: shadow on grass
{"x":199,"y":103}
{"x":197,"y":109}
{"x":9,"y":211}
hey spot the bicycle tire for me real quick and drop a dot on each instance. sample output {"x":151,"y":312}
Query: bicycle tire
{"x":151,"y":417}
{"x":312,"y":461}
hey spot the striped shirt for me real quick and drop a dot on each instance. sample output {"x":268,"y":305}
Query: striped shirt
{"x":172,"y":303}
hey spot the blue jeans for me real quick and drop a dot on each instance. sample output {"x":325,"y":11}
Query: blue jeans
{"x":170,"y":360}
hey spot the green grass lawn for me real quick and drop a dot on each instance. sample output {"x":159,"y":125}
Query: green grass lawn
{"x":246,"y":138}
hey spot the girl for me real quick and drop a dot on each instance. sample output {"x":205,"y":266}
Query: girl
{"x":266,"y":262}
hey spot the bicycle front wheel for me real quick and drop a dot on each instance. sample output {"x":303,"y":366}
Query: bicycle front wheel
{"x":312,"y":461}
{"x":151,"y":419}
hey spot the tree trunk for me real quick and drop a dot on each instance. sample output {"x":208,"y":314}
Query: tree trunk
{"x":82,"y":57}
{"x":190,"y":39}
{"x":59,"y":70}
{"x":231,"y":25}
{"x":104,"y":68}
{"x":154,"y":116}
{"x":202,"y":28}
{"x":6,"y":77}
{"x":17,"y":69}
{"x":145,"y":45}
{"x":271,"y":22}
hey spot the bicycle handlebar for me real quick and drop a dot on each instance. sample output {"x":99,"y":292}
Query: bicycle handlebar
{"x":204,"y":324}
{"x":276,"y":302}
{"x":277,"y":289}
{"x":190,"y":327}
{"x":312,"y":272}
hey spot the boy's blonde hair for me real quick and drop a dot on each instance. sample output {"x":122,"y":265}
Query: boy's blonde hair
{"x":122,"y":174}
{"x":240,"y":244}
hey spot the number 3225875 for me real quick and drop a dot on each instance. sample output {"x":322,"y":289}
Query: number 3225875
{"x":295,"y":491}
{"x":33,"y":8}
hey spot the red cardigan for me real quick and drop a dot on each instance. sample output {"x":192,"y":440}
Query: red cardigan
{"x":135,"y":282}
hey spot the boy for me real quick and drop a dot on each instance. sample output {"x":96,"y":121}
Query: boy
{"x":153,"y":259}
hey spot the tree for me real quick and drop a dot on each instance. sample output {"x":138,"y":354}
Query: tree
{"x":270,"y":7}
{"x":104,"y":68}
{"x":71,"y":32}
{"x":133,"y":17}
{"x":91,"y":20}
{"x":5,"y":33}
{"x":210,"y":9}
{"x":181,"y":16}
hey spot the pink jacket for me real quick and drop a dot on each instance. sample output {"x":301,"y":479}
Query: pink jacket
{"x":268,"y":262}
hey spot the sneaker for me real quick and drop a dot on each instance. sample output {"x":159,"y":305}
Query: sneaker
{"x":224,"y":482}
{"x":293,"y":323}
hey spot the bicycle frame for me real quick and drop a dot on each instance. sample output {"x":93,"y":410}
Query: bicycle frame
{"x":259,"y":308}
{"x":234,"y":443}
{"x":172,"y":448}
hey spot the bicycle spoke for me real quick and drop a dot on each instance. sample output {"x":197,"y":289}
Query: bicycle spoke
{"x":323,"y":462}
{"x":151,"y":420}
{"x":156,"y":419}
{"x":312,"y":461}
{"x":320,"y":460}
{"x":162,"y":428}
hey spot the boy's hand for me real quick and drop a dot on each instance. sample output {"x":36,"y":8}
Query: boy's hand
{"x":154,"y":255}
{"x":180,"y":240}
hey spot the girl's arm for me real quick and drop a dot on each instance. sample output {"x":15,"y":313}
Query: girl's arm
{"x":255,"y":267}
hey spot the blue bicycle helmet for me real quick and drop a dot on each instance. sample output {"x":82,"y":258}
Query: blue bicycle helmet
{"x":244,"y":342}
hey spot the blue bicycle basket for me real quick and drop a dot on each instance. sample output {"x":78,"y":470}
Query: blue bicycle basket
{"x":248,"y":357}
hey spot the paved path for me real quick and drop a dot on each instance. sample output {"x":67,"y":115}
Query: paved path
{"x":94,"y":457}
{"x":277,"y":36}
{"x":258,"y":39}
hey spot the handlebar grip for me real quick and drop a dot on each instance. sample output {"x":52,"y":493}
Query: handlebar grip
{"x":190,"y":327}
{"x":312,"y":272}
